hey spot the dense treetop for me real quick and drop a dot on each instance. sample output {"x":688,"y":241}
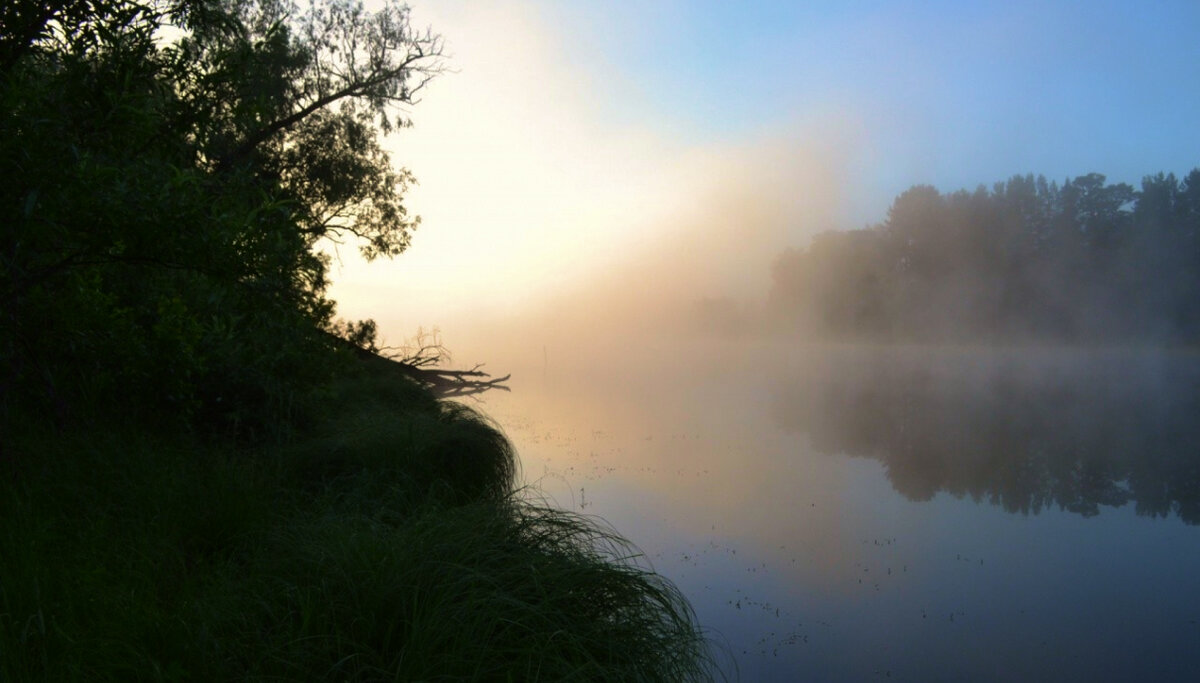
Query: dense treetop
{"x":170,"y":169}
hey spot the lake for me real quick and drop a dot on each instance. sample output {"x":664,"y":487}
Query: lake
{"x":908,"y":514}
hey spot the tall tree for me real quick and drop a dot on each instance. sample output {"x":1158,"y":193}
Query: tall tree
{"x":171,"y":169}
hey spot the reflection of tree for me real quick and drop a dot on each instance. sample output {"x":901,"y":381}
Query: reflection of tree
{"x":1022,"y":433}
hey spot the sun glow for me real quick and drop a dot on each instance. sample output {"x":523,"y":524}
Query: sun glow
{"x":529,"y":188}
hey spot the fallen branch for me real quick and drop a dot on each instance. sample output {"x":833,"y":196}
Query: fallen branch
{"x":443,"y":383}
{"x":448,"y":383}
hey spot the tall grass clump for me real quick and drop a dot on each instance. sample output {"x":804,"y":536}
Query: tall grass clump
{"x":384,"y":544}
{"x":487,"y":591}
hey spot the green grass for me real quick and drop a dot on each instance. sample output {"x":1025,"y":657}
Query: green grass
{"x":386,"y":544}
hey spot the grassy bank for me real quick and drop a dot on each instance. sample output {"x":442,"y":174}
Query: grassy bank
{"x":382,"y":543}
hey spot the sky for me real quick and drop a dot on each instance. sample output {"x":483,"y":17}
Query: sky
{"x":675,"y":146}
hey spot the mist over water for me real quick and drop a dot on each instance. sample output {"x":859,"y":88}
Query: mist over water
{"x":956,"y":445}
{"x":856,"y":495}
{"x":854,"y":511}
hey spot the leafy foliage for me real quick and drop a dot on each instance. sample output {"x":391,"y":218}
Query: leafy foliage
{"x":171,"y":169}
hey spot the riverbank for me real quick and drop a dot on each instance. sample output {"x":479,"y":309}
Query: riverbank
{"x":385,"y":542}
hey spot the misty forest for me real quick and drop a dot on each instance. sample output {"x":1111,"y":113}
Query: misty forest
{"x":959,"y":444}
{"x":1081,"y":262}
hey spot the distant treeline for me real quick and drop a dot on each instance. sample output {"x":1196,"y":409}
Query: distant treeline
{"x":1084,"y":261}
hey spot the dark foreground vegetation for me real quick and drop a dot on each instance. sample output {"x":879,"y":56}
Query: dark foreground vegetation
{"x":201,"y":476}
{"x":1027,"y":261}
{"x":385,"y":544}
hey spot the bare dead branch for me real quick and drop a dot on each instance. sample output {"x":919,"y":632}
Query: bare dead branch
{"x":442,"y":382}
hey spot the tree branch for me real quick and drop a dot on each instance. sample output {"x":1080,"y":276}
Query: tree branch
{"x":441,"y":382}
{"x":354,"y":89}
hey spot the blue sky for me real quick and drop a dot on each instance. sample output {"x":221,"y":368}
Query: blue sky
{"x":952,"y":93}
{"x":573,"y":138}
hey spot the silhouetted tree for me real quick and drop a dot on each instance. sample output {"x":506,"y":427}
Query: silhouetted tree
{"x":170,"y":168}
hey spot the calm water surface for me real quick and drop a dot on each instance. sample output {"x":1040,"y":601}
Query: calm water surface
{"x":898,"y":514}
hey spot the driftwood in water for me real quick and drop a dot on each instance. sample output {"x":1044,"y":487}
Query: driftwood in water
{"x":416,"y":366}
{"x":450,"y":383}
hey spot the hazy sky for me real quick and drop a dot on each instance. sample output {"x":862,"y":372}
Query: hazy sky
{"x":575,"y":140}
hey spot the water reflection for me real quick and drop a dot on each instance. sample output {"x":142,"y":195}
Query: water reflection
{"x":1022,"y":431}
{"x":716,"y":460}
